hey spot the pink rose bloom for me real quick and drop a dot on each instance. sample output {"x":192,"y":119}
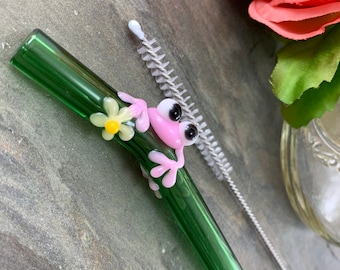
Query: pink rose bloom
{"x":296,"y":19}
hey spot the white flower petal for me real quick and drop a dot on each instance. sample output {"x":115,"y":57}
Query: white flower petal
{"x":107,"y":136}
{"x":124,"y":115}
{"x":126,"y":133}
{"x":111,"y":106}
{"x":98,"y":119}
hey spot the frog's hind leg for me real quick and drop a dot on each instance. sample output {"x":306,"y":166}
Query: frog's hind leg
{"x":152,"y":184}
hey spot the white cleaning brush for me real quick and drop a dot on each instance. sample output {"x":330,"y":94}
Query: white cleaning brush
{"x":207,"y":144}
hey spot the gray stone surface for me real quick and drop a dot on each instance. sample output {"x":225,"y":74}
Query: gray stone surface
{"x":69,"y":200}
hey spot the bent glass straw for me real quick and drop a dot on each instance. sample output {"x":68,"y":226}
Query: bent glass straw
{"x":45,"y":62}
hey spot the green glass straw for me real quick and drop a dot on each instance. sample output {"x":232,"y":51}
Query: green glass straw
{"x":45,"y":62}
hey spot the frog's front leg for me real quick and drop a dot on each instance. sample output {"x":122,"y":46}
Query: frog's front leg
{"x":166,"y":165}
{"x":138,"y":109}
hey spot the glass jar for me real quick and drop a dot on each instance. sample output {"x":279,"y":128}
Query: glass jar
{"x":310,"y":160}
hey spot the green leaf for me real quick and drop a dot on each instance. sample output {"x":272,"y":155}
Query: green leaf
{"x":303,"y":65}
{"x":313,"y":103}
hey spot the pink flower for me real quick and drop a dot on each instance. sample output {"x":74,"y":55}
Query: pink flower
{"x":296,"y":19}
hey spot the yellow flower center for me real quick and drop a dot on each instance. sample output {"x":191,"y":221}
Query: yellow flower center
{"x":112,"y":126}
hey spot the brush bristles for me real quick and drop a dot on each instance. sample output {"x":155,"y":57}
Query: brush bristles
{"x":206,"y":144}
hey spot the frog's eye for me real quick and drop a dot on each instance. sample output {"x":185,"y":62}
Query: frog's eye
{"x":189,"y":133}
{"x":170,"y":109}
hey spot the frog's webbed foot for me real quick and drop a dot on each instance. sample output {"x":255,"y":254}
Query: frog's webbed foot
{"x":138,"y":109}
{"x":152,"y":184}
{"x":165,"y":165}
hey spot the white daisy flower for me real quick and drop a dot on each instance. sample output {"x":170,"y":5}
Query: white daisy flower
{"x":113,"y":121}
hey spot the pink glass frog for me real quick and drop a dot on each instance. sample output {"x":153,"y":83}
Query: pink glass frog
{"x":165,"y":121}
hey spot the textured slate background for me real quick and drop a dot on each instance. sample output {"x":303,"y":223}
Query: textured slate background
{"x":69,"y":200}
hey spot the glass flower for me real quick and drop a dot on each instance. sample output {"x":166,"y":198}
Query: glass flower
{"x":113,"y":121}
